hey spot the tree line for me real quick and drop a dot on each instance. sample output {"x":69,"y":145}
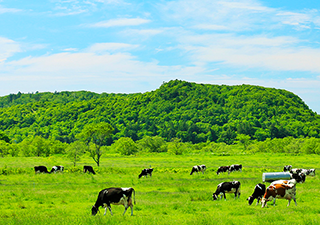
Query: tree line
{"x":92,"y":142}
{"x":193,"y":113}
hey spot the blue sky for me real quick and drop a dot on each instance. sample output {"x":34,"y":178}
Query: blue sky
{"x":126,"y":46}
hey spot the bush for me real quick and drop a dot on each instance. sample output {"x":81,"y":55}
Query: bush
{"x":125,"y":146}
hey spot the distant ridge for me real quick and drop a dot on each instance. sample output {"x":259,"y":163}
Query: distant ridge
{"x":177,"y":109}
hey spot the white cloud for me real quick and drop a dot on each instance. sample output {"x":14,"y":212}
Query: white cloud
{"x":249,"y":56}
{"x":251,"y":35}
{"x":296,"y":19}
{"x":120,"y":22}
{"x":9,"y":10}
{"x":230,"y":15}
{"x":8,"y":48}
{"x":103,"y":47}
{"x":244,"y":5}
{"x":210,"y":27}
{"x":70,"y":49}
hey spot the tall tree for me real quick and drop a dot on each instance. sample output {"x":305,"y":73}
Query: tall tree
{"x":96,"y":134}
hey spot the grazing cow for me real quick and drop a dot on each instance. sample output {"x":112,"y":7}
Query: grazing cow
{"x":197,"y":169}
{"x":146,"y":172}
{"x":227,"y":187}
{"x":235,"y":167}
{"x":310,"y":172}
{"x":281,"y":191}
{"x":287,"y":168}
{"x":115,"y":196}
{"x":88,"y":169}
{"x":40,"y":169}
{"x":258,"y":193}
{"x":57,"y":169}
{"x":300,"y":177}
{"x":223,"y":169}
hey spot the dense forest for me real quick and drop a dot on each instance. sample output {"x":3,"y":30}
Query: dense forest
{"x":191,"y":112}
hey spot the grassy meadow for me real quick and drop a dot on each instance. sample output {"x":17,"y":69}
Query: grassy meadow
{"x":171,"y":196}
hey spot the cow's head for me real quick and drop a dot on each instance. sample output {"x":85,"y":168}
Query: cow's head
{"x":250,"y":200}
{"x":215,"y":196}
{"x":312,"y":172}
{"x":264,"y":202}
{"x":94,"y":210}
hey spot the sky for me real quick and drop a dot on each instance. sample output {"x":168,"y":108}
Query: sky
{"x":129,"y":46}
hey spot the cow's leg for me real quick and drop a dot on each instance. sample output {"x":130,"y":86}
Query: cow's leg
{"x":224,"y":195}
{"x":125,"y":210}
{"x":109,"y":207}
{"x":258,"y":199}
{"x":274,"y":201}
{"x":131,"y":206}
{"x":295,"y":201}
{"x":289,"y":200}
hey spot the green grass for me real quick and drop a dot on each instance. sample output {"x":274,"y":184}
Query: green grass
{"x":171,"y":196}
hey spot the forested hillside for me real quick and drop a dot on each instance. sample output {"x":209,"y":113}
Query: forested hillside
{"x":189,"y":111}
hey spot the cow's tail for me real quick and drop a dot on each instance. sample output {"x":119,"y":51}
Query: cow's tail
{"x":134,"y":196}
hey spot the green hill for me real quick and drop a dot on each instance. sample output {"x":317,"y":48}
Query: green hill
{"x":189,"y":111}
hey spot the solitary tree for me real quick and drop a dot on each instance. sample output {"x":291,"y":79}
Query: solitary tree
{"x":97,"y":135}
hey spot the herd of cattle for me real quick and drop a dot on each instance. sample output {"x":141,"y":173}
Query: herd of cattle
{"x":281,"y":189}
{"x":54,"y":169}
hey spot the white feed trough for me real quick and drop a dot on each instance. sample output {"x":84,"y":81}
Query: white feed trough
{"x":270,"y":177}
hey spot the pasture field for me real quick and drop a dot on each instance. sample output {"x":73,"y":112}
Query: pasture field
{"x":171,"y":196}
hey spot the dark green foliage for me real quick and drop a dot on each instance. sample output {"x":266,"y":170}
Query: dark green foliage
{"x":188,"y":111}
{"x":4,"y":137}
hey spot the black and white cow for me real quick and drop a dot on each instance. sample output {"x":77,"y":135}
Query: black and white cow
{"x":146,"y":172}
{"x":197,"y":169}
{"x":300,"y":177}
{"x":40,"y":169}
{"x":295,"y":171}
{"x":310,"y":172}
{"x":227,"y":187}
{"x":223,"y":169}
{"x":57,"y":169}
{"x":258,"y":193}
{"x":235,"y":167}
{"x":114,"y":196}
{"x":287,"y":168}
{"x":88,"y":169}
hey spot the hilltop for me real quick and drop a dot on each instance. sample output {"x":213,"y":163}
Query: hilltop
{"x":177,"y":109}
